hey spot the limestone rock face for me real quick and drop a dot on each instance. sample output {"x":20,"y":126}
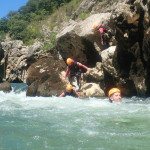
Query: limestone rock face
{"x":84,"y":6}
{"x":132,"y":19}
{"x":5,"y":86}
{"x":17,"y":59}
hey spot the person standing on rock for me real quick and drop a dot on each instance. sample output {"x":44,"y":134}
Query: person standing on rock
{"x":69,"y":92}
{"x":74,"y":69}
{"x":114,"y":95}
{"x":105,"y":33}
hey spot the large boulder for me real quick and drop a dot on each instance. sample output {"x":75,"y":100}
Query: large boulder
{"x":5,"y":87}
{"x":92,"y":90}
{"x":107,"y":61}
{"x":45,"y":78}
{"x":80,"y":42}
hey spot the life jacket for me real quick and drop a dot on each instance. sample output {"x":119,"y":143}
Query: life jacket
{"x":73,"y":93}
{"x":106,"y":31}
{"x":74,"y":68}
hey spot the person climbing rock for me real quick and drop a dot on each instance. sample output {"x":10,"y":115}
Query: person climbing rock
{"x":106,"y":34}
{"x":69,"y":92}
{"x":114,"y":94}
{"x":74,"y":69}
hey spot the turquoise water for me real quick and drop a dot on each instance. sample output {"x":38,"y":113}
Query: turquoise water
{"x":51,"y":123}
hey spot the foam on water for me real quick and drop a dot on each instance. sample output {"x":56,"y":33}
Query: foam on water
{"x":73,"y":123}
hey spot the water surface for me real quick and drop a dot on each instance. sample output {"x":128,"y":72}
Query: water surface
{"x":52,"y":123}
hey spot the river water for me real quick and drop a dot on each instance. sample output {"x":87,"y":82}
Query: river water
{"x":52,"y":123}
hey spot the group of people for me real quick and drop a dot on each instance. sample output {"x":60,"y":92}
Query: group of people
{"x":74,"y":70}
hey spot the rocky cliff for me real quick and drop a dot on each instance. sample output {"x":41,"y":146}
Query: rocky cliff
{"x":132,"y":23}
{"x":125,"y":64}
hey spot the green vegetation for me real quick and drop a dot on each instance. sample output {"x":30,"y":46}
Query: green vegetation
{"x":84,"y":15}
{"x":26,"y":23}
{"x":17,"y":23}
{"x":48,"y":46}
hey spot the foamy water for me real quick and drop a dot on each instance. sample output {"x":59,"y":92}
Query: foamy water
{"x":66,"y":123}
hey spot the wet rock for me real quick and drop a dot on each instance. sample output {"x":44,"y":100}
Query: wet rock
{"x":92,"y":90}
{"x":6,"y":87}
{"x":45,"y":78}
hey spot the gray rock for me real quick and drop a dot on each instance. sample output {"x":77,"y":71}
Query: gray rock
{"x":92,"y":90}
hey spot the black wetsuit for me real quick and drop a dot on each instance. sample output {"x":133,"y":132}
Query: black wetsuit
{"x":110,"y":100}
{"x":72,"y":93}
{"x":74,"y":71}
{"x":106,"y":35}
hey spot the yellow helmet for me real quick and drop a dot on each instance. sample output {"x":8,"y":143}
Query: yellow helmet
{"x":69,"y":87}
{"x":69,"y":61}
{"x":113,"y":90}
{"x":95,"y":26}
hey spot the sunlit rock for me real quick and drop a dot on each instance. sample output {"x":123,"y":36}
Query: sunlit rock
{"x":92,"y":90}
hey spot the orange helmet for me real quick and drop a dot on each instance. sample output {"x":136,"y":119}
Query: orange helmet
{"x":113,"y":90}
{"x":69,"y":87}
{"x":69,"y":61}
{"x":95,"y":26}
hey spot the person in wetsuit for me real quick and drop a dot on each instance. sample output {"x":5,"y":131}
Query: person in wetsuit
{"x":69,"y":92}
{"x":114,"y":94}
{"x":106,"y":34}
{"x":74,"y":69}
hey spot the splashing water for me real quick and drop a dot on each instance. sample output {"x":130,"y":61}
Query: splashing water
{"x":40,"y":123}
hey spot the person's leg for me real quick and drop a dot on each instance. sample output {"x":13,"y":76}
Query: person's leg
{"x":106,"y":41}
{"x":70,"y":78}
{"x":106,"y":44}
{"x":78,"y":74}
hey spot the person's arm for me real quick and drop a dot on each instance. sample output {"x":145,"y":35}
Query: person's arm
{"x":105,"y":27}
{"x":83,"y":66}
{"x":67,"y":72}
{"x":102,"y":41}
{"x":77,"y":95}
{"x":62,"y":95}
